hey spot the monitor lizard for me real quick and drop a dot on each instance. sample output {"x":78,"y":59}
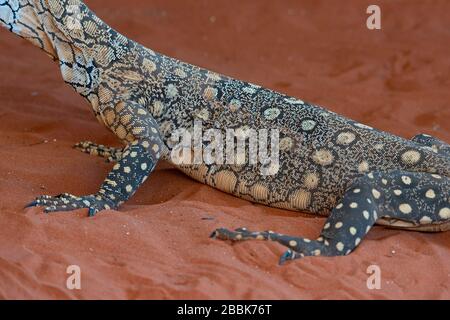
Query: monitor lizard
{"x":328,"y":164}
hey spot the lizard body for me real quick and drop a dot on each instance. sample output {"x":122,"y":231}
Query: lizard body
{"x":328,"y":164}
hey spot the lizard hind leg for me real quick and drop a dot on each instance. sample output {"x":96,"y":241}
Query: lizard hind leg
{"x":417,"y":198}
{"x":111,"y":154}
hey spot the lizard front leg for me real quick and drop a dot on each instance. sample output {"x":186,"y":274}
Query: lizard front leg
{"x":138,"y":128}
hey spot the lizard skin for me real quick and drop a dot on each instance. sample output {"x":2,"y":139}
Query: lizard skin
{"x":329,"y":165}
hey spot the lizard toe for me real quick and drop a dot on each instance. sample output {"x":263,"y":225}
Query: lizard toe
{"x":225,"y":234}
{"x":290,"y":255}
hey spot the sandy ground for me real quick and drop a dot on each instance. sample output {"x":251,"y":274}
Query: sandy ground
{"x":157,"y":245}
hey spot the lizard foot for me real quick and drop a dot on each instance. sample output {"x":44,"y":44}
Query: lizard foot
{"x":68,"y":202}
{"x":298,"y":247}
{"x":111,"y":154}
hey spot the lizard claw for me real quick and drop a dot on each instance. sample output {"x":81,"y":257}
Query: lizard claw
{"x":31,"y":204}
{"x":92,"y":212}
{"x":225,"y":234}
{"x":68,"y":202}
{"x":213,"y":235}
{"x":289,"y":255}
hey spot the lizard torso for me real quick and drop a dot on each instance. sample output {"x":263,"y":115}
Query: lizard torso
{"x":321,"y":152}
{"x":145,"y":97}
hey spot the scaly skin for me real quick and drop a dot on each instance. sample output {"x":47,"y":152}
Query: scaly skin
{"x":328,"y":165}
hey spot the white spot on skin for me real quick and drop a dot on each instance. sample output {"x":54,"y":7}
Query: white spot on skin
{"x":366,"y":214}
{"x":357,"y":191}
{"x":376,"y":194}
{"x":286,"y":144}
{"x":353,"y":205}
{"x":411,"y":157}
{"x":406,"y":180}
{"x":144,"y":166}
{"x":317,"y":252}
{"x":339,"y":206}
{"x":444,"y":213}
{"x":234,"y":105}
{"x":340,"y":246}
{"x":430,"y":194}
{"x":127,"y":169}
{"x":338,"y":225}
{"x":133,"y":154}
{"x":171,"y":91}
{"x":436,"y":176}
{"x":293,"y":243}
{"x":323,"y":157}
{"x":363,"y":167}
{"x":346,"y":138}
{"x":308,"y":125}
{"x":311,"y":180}
{"x":271,"y":113}
{"x":352,"y":230}
{"x":128,"y":188}
{"x":357,"y":241}
{"x":327,"y":225}
{"x":397,"y":192}
{"x":368,"y":229}
{"x":405,"y":208}
{"x":425,"y":220}
{"x":306,"y":240}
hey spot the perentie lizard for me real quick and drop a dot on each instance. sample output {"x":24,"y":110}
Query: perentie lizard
{"x":328,"y":164}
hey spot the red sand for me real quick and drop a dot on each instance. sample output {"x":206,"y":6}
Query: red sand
{"x":157,"y":246}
